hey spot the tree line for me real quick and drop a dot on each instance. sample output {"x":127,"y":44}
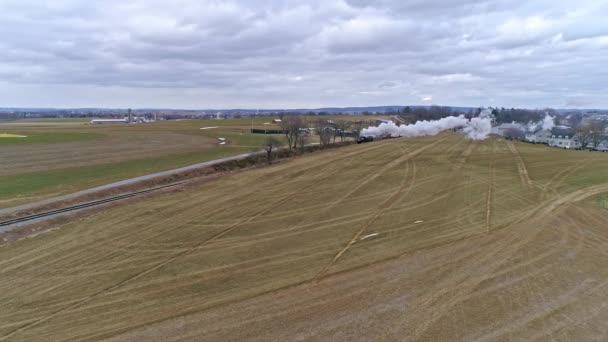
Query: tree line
{"x":298,"y":131}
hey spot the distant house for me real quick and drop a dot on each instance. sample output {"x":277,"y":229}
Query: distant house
{"x":563,"y":141}
{"x":559,"y":136}
{"x":564,"y":137}
{"x":539,"y":137}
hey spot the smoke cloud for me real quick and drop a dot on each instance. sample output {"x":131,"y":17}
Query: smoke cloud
{"x":477,"y":128}
{"x":546,"y":125}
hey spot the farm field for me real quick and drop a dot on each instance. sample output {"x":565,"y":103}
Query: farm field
{"x":57,"y":157}
{"x":434,"y":238}
{"x":60,"y":156}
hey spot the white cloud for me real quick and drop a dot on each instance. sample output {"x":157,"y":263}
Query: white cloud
{"x":455,"y":78}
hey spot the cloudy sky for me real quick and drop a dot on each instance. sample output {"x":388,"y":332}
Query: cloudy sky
{"x":303,"y":54}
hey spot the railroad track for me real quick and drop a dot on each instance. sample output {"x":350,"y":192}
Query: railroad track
{"x":82,"y":206}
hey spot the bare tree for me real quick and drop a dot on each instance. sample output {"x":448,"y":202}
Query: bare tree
{"x":325,"y":132}
{"x":270,"y":144}
{"x":291,"y":127}
{"x":584,"y":135}
{"x":574,"y":120}
{"x":598,"y":134}
{"x":302,"y":140}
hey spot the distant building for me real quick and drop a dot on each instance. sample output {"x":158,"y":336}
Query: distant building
{"x":563,"y":141}
{"x":110,"y":121}
{"x":132,"y":119}
{"x":540,"y":136}
{"x":559,"y":136}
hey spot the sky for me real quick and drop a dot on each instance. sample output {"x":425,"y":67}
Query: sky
{"x":196,"y":54}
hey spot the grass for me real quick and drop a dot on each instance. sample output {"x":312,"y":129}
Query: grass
{"x":17,"y":189}
{"x":602,"y":201}
{"x":468,"y":237}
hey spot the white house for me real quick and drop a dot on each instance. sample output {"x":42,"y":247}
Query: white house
{"x":539,"y":136}
{"x":563,"y":141}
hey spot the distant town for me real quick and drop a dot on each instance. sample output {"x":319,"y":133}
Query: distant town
{"x":175,"y":114}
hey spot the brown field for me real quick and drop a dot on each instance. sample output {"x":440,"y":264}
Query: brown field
{"x":436,"y":238}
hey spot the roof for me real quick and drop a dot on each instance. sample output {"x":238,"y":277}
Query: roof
{"x":510,"y":126}
{"x":562,"y":131}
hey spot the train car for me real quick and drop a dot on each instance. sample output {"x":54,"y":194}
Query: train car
{"x":365,"y":139}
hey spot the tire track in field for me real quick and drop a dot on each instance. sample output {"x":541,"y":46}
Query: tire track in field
{"x":565,"y":176}
{"x":329,"y":206}
{"x":464,"y":157}
{"x":356,"y":237}
{"x":489,"y":195}
{"x":463,"y":281}
{"x":521,"y":165}
{"x":488,"y":264}
{"x":183,"y":252}
{"x":482,"y":179}
{"x":491,"y":185}
{"x":586,"y":287}
{"x":311,"y":281}
{"x":293,"y":176}
{"x":384,"y":206}
{"x":157,"y":266}
{"x":460,"y":284}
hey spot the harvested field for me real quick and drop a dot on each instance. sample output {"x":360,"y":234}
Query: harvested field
{"x":435,"y":238}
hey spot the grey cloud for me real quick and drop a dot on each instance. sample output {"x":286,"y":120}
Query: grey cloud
{"x":196,"y":54}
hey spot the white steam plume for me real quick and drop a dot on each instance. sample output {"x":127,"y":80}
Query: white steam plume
{"x":477,"y":128}
{"x":546,"y":125}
